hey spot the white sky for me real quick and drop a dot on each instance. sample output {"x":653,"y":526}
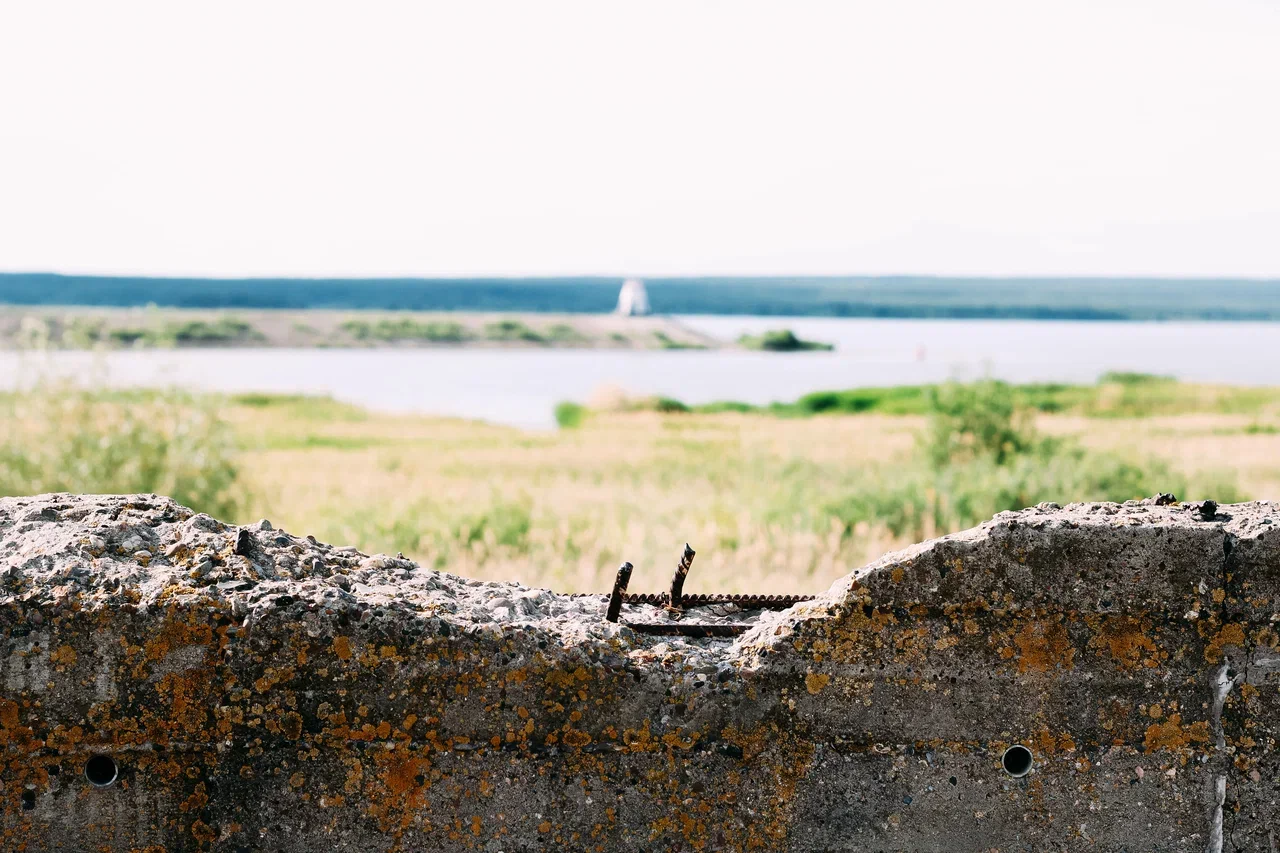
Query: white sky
{"x":369,"y":138}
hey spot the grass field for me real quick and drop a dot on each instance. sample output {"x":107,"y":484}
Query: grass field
{"x":770,"y":503}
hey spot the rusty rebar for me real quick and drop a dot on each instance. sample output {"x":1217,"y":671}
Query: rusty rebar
{"x":677,"y":580}
{"x":619,"y":592}
{"x":743,"y":600}
{"x":685,"y":629}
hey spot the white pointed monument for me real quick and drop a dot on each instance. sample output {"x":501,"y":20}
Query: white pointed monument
{"x":632,"y":299}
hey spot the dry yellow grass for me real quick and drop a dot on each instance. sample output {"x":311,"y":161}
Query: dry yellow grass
{"x":562,"y":509}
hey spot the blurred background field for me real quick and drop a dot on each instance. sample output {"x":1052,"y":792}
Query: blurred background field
{"x":782,"y":498}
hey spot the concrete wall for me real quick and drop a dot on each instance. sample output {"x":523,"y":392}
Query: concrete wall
{"x":252,"y":690}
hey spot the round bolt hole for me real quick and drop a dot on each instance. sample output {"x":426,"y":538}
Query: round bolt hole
{"x":100,"y":770}
{"x":1016,"y":760}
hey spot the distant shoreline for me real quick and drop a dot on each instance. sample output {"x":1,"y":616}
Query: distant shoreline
{"x":875,"y":297}
{"x":84,"y":328}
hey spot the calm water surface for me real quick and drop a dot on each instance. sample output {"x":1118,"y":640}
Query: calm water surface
{"x":520,"y":387}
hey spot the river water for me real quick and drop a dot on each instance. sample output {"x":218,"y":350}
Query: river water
{"x":521,"y":387}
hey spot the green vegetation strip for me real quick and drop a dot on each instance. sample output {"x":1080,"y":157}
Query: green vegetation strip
{"x":1116,"y":394}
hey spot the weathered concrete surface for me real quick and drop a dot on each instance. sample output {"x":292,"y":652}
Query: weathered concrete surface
{"x":298,"y":697}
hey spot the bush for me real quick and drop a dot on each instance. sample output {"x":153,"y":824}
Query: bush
{"x":58,"y":439}
{"x":669,"y":405}
{"x":980,"y":455}
{"x":780,"y":340}
{"x":223,"y":330}
{"x":511,"y":330}
{"x":570,"y":415}
{"x":973,"y":420}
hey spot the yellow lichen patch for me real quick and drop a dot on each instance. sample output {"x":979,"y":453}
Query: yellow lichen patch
{"x":814,"y":682}
{"x":1125,"y":639}
{"x":400,"y":772}
{"x":945,"y":642}
{"x":1043,"y":645}
{"x":1232,"y":634}
{"x":187,"y":695}
{"x":1046,"y":743}
{"x":63,"y":656}
{"x":1171,"y":734}
{"x":575,"y":737}
{"x":355,"y":773}
{"x":174,"y":634}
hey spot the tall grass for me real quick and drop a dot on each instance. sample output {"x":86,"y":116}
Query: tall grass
{"x":981,"y":454}
{"x":57,"y":438}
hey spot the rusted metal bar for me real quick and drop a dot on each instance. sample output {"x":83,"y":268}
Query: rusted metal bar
{"x":744,"y":601}
{"x":619,"y":592}
{"x":682,"y":571}
{"x":684,"y":629}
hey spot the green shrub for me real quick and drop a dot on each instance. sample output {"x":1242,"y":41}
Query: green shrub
{"x":669,"y":405}
{"x":570,"y":415}
{"x":83,"y":332}
{"x":221,"y":331}
{"x":511,"y":330}
{"x":780,"y":340}
{"x":980,"y":455}
{"x":128,"y":337}
{"x":973,"y":420}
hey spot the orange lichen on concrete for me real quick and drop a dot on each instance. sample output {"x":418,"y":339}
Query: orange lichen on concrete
{"x":1171,"y":734}
{"x":1043,"y":645}
{"x":1231,"y":634}
{"x":1126,"y":640}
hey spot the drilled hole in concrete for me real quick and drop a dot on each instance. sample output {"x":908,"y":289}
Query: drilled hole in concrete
{"x":1016,"y":760}
{"x":100,"y":770}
